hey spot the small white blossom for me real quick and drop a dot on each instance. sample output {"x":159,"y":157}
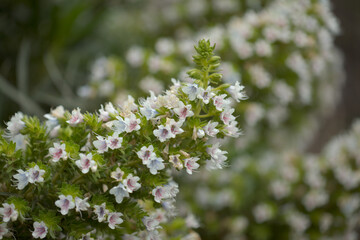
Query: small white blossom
{"x":57,"y":152}
{"x":3,"y":230}
{"x":191,"y":90}
{"x":226,"y":116}
{"x":8,"y":212}
{"x":119,"y":192}
{"x":76,"y":117}
{"x":40,"y":230}
{"x":101,"y":144}
{"x":132,"y":123}
{"x":81,"y":204}
{"x":151,"y":223}
{"x":86,"y":163}
{"x":183,"y":111}
{"x":65,"y":203}
{"x":191,"y":164}
{"x":15,"y":124}
{"x":114,"y":141}
{"x":22,"y":178}
{"x":210,"y":129}
{"x":232,"y":130}
{"x":237,"y":92}
{"x":114,"y":219}
{"x":146,"y":153}
{"x":160,"y":193}
{"x":155,"y":164}
{"x":119,"y":125}
{"x":163,"y":133}
{"x":174,"y":126}
{"x":101,"y":212}
{"x":205,"y":94}
{"x":117,"y":174}
{"x":221,"y":102}
{"x":172,"y":188}
{"x":131,"y":183}
{"x":147,"y":111}
{"x":36,"y":174}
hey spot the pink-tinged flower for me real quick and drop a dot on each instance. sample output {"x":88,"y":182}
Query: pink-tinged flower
{"x":159,"y":215}
{"x":36,"y":174}
{"x":174,"y":126}
{"x":117,"y":174}
{"x":131,"y":183}
{"x":3,"y":230}
{"x":22,"y":179}
{"x":146,"y":153}
{"x":104,"y":113}
{"x":119,"y":192}
{"x":237,"y":92}
{"x":151,"y":223}
{"x":191,"y":90}
{"x":155,"y":164}
{"x":57,"y":152}
{"x":132,"y":123}
{"x":86,"y":163}
{"x":232,"y":130}
{"x":221,"y":102}
{"x":9,"y":212}
{"x":210,"y":129}
{"x":160,"y":193}
{"x":65,"y":203}
{"x":114,"y":219}
{"x":163,"y":133}
{"x":15,"y":124}
{"x":81,"y":204}
{"x":114,"y":141}
{"x":101,"y":144}
{"x":76,"y":117}
{"x":191,"y":164}
{"x":226,"y":116}
{"x":101,"y":212}
{"x":175,"y":160}
{"x":183,"y":111}
{"x":205,"y":94}
{"x":40,"y":230}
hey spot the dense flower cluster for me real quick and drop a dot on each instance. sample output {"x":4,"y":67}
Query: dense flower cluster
{"x":108,"y":174}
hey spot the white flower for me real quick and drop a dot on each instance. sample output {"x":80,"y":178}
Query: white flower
{"x":163,"y":133}
{"x":101,"y":211}
{"x":104,"y":114}
{"x":119,"y":125}
{"x":174,"y":126}
{"x":226,"y":116}
{"x":172,"y":188}
{"x":36,"y":174}
{"x":183,"y":111}
{"x":191,"y":90}
{"x":76,"y":117}
{"x":232,"y":130}
{"x":9,"y":212}
{"x":86,"y":163}
{"x":210,"y":129}
{"x":155,"y":164}
{"x":117,"y":174}
{"x":57,"y":152}
{"x":191,"y":164}
{"x":205,"y":94}
{"x":40,"y":230}
{"x":114,"y":218}
{"x":175,"y":160}
{"x":151,"y":223}
{"x":146,"y":153}
{"x":65,"y":203}
{"x":101,"y":144}
{"x":22,"y":178}
{"x":200,"y":133}
{"x":81,"y":204}
{"x":15,"y":124}
{"x":237,"y":92}
{"x":221,"y":102}
{"x":131,"y":183}
{"x":119,"y":192}
{"x":132,"y":123}
{"x":147,"y":111}
{"x":3,"y":230}
{"x":160,"y":193}
{"x":114,"y":141}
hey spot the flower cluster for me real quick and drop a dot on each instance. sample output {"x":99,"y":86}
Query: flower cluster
{"x":112,"y":167}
